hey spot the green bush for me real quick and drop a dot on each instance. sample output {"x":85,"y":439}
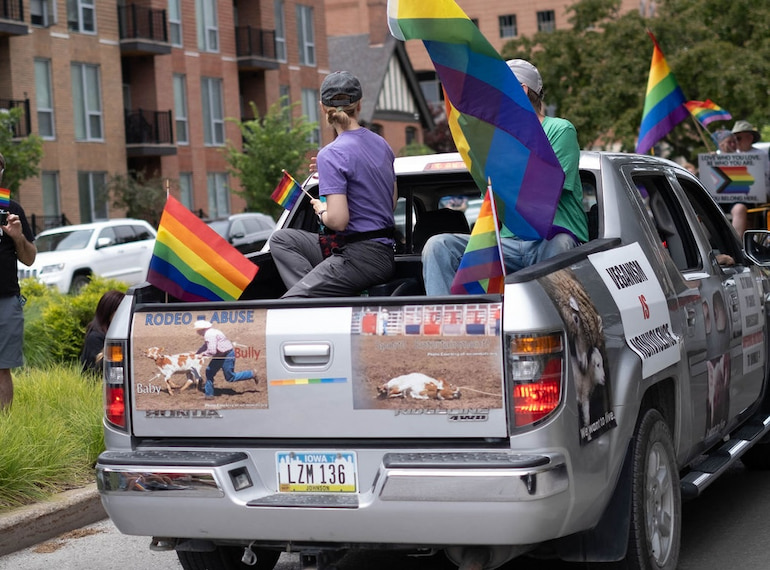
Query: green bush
{"x":51,"y":436}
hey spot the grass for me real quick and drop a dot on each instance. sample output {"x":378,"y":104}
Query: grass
{"x":51,"y":436}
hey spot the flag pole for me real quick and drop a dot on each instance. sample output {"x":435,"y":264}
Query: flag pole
{"x":301,"y":186}
{"x":497,"y":225}
{"x":700,"y":129}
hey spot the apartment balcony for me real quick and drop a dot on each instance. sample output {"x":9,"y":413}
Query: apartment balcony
{"x":149,"y":133}
{"x":142,"y":31}
{"x":255,"y":49}
{"x":12,"y":18}
{"x":24,"y":127}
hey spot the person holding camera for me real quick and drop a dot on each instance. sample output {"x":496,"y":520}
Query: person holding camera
{"x":16,"y":244}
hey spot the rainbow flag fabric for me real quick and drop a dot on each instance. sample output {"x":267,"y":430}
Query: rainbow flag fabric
{"x":737,"y":180}
{"x":194,"y":263}
{"x":287,"y":192}
{"x":5,"y":198}
{"x":493,"y":124}
{"x":481,"y":267}
{"x":707,"y":111}
{"x":664,"y":103}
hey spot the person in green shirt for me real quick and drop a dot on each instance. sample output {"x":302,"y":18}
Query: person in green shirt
{"x":442,"y":253}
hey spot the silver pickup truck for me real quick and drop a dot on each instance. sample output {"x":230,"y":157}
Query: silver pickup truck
{"x":566,"y":418}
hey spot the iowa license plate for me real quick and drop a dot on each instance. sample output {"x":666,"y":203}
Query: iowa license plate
{"x":316,"y":472}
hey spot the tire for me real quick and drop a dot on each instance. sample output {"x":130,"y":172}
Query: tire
{"x":78,"y":282}
{"x":227,"y":558}
{"x":757,"y":458}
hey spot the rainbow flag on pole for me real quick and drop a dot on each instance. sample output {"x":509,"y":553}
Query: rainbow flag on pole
{"x":192,"y":262}
{"x":707,"y":111}
{"x":5,"y":198}
{"x":481,"y":267}
{"x":287,"y":192}
{"x":493,"y":124}
{"x":664,"y":103}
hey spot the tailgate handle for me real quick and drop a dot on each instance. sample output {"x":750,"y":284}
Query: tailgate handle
{"x":307,"y":354}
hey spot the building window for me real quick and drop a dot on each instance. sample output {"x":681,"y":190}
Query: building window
{"x":219,"y":195}
{"x":180,"y":109}
{"x":507,"y":25}
{"x":305,"y":35}
{"x":44,"y":98}
{"x":81,"y":16}
{"x":430,"y":86}
{"x":546,"y":21}
{"x":208,"y":29}
{"x":51,"y":203}
{"x":175,"y":23}
{"x":280,"y":31}
{"x":186,"y":190}
{"x":42,"y":13}
{"x":87,"y":99}
{"x":92,"y":191}
{"x":213,"y":114}
{"x":310,"y":99}
{"x":411,"y":135}
{"x":284,"y":93}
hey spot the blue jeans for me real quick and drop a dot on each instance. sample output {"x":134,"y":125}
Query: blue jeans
{"x":442,"y":254}
{"x":225,"y":363}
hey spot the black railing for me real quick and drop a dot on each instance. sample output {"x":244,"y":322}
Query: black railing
{"x":12,"y":10}
{"x":254,"y":42}
{"x":149,"y":127}
{"x":23,"y":127}
{"x":138,"y":22}
{"x":40,"y":223}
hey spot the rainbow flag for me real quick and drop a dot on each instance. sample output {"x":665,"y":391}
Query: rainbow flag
{"x":481,"y":267}
{"x":287,"y":192}
{"x":707,"y":111}
{"x":737,"y":180}
{"x":5,"y":198}
{"x":664,"y":103}
{"x":493,"y":124}
{"x":192,"y":262}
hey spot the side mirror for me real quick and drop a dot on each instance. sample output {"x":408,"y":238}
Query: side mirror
{"x":104,"y":242}
{"x":756,"y":245}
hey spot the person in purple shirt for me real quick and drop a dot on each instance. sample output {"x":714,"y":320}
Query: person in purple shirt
{"x":357,"y":196}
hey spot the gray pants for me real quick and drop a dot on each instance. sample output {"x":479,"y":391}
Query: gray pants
{"x":305,"y":272}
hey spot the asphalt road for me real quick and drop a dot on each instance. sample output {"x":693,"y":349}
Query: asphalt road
{"x":725,"y":528}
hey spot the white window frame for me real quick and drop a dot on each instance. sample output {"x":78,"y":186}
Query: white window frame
{"x":77,"y":16}
{"x":310,"y":99}
{"x":213,"y":114}
{"x":44,"y":97}
{"x":181,"y":120}
{"x":51,"y":193}
{"x":88,"y":107}
{"x":175,"y":23}
{"x":186,"y":195}
{"x":218,"y":194}
{"x":280,"y":30}
{"x":45,"y":11}
{"x":87,"y":194}
{"x":508,"y":26}
{"x":306,"y":35}
{"x":208,"y":28}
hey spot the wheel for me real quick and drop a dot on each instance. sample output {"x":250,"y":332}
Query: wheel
{"x":656,"y":502}
{"x":757,"y":458}
{"x":227,"y":558}
{"x":78,"y":282}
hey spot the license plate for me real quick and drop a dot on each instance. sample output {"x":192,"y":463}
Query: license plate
{"x":316,"y":472}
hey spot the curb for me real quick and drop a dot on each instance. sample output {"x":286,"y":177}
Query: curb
{"x":33,"y":524}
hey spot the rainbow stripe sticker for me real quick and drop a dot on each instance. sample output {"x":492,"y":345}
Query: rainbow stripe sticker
{"x":305,"y":381}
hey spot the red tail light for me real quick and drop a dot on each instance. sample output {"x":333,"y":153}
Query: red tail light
{"x":533,"y":401}
{"x":114,"y":383}
{"x":115,"y":406}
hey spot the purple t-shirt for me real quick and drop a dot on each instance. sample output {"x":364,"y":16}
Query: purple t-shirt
{"x":359,"y":163}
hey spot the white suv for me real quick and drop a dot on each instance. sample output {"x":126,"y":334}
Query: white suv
{"x":68,"y":256}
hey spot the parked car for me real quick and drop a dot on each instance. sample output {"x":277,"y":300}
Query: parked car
{"x":248,"y":232}
{"x":68,"y":256}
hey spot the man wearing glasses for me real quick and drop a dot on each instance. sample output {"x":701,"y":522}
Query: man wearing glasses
{"x":746,"y":135}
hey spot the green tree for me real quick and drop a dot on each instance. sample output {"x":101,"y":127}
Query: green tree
{"x":141,"y":197}
{"x":596,"y":73}
{"x":278,"y":141}
{"x":22,"y":156}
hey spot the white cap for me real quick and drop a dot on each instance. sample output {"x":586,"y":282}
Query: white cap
{"x":527,"y":74}
{"x":201,"y":324}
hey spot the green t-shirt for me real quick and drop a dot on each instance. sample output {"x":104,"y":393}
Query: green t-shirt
{"x":569,"y":212}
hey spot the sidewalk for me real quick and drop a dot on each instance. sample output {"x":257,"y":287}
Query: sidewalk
{"x":33,"y":524}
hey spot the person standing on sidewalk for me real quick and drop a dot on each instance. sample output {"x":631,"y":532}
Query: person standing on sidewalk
{"x":222,"y":353}
{"x":16,"y":244}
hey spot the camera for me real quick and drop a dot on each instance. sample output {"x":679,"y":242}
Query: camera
{"x":3,"y":217}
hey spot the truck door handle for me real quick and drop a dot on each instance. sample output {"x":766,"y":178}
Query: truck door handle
{"x":690,"y":317}
{"x":307,"y":354}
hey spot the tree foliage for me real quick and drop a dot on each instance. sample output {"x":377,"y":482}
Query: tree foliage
{"x":22,"y":156}
{"x":596,"y":73}
{"x":278,"y":141}
{"x":141,"y":197}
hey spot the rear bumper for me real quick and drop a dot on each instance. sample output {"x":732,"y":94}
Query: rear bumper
{"x":422,"y":499}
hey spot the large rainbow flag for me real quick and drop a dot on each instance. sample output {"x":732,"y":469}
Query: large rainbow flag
{"x":481,"y":267}
{"x":664,"y":103}
{"x":192,"y":262}
{"x":287,"y":192}
{"x":5,"y":198}
{"x":492,"y":121}
{"x":707,"y":111}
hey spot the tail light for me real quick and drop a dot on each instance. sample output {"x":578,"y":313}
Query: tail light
{"x":534,"y":372}
{"x":114,"y":383}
